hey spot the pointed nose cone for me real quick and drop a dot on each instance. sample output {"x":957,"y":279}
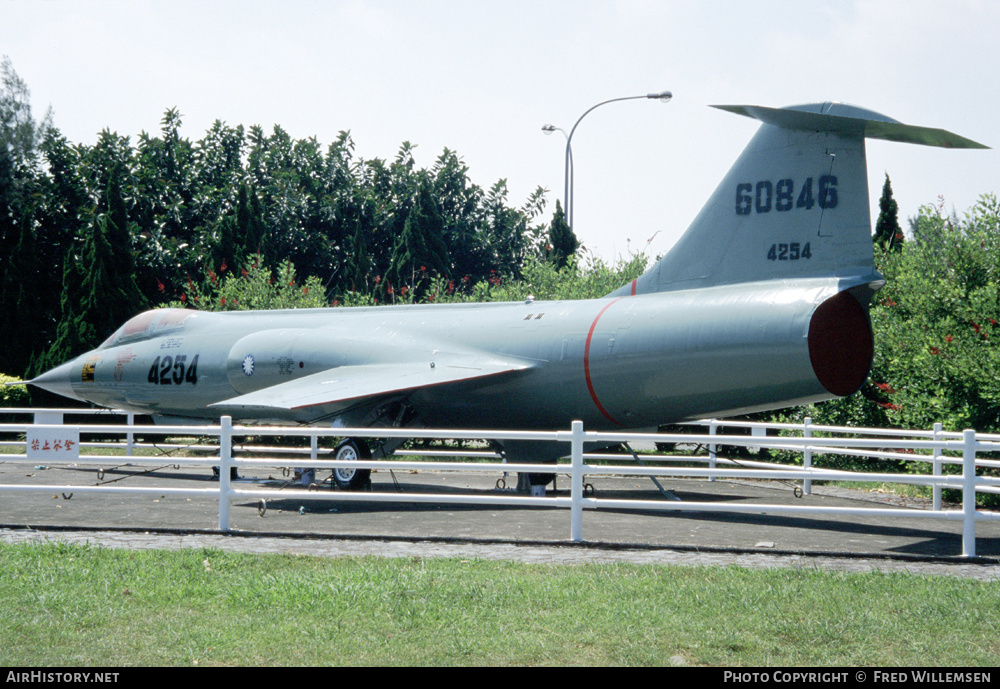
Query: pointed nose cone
{"x":59,"y":380}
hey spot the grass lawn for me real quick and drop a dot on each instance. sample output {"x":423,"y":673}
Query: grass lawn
{"x":88,"y":606}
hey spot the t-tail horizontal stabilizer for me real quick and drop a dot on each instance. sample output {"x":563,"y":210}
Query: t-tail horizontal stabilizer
{"x":851,"y":121}
{"x":794,"y":205}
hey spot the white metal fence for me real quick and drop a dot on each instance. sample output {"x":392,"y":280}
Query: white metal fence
{"x":48,"y":436}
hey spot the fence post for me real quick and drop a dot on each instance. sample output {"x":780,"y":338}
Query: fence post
{"x":938,"y":451}
{"x":225,"y":465}
{"x":711,"y":448}
{"x":807,"y":455}
{"x":576,"y":479}
{"x":130,"y":436}
{"x":969,"y":494}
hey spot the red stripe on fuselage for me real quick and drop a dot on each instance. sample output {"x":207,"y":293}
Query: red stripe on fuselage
{"x":586,"y":367}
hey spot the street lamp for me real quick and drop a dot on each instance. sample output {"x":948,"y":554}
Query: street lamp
{"x":663,"y":97}
{"x":568,"y":182}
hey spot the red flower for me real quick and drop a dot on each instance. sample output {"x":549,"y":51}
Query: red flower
{"x":935,"y":351}
{"x":159,"y":285}
{"x":948,"y":338}
{"x":222,"y":268}
{"x":184,"y":298}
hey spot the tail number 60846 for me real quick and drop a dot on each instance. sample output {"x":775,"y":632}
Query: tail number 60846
{"x":766,"y":196}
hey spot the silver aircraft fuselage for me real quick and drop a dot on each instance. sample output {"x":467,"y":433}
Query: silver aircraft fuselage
{"x":619,"y":362}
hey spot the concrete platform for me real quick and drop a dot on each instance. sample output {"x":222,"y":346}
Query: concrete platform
{"x":333,"y":526}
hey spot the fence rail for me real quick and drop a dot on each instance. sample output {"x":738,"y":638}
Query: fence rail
{"x":936,"y":447}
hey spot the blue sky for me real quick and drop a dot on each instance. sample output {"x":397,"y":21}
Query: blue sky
{"x":482,"y":77}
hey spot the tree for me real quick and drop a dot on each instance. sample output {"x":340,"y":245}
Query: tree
{"x":505,"y":231}
{"x":99,"y":287}
{"x":24,"y":301}
{"x":239,"y":234}
{"x":562,"y":241}
{"x":459,"y":203}
{"x":420,"y":252}
{"x":19,"y":133}
{"x":936,"y":325}
{"x":888,"y":234}
{"x":165,"y":209}
{"x":74,"y":335}
{"x":22,"y":200}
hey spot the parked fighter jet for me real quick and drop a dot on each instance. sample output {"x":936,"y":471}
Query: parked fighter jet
{"x":762,"y":304}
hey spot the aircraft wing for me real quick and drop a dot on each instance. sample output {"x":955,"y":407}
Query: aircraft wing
{"x":343,"y":387}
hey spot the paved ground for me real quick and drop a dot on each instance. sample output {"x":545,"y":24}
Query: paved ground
{"x":332,"y":527}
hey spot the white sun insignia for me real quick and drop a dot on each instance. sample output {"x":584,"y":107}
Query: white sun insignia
{"x":248,"y":364}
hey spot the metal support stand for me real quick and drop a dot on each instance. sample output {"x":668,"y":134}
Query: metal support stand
{"x":668,"y":495}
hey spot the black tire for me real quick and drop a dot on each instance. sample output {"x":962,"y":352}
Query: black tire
{"x":350,"y":478}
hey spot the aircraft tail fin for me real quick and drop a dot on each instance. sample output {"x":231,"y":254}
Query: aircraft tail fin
{"x":794,"y":205}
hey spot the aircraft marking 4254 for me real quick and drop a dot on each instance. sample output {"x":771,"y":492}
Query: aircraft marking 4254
{"x":173,"y":369}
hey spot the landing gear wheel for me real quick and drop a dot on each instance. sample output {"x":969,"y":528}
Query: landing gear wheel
{"x":351,"y":478}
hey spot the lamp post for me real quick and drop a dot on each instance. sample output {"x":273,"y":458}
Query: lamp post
{"x":568,"y":181}
{"x":663,"y":97}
